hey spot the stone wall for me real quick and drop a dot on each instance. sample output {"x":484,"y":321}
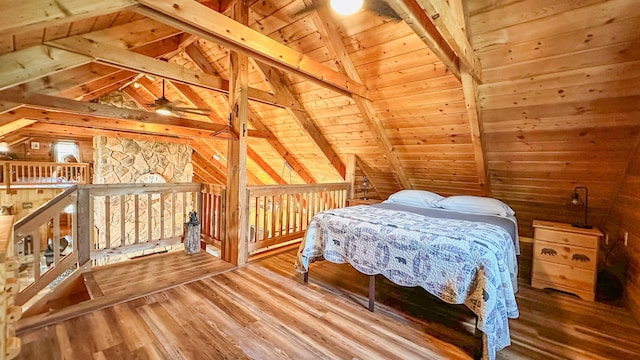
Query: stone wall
{"x":131,"y":161}
{"x":135,"y":161}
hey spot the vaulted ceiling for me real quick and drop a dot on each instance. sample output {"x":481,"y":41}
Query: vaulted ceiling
{"x":519,"y":99}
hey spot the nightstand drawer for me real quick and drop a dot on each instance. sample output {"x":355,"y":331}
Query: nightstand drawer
{"x":569,"y":276}
{"x":579,"y":257}
{"x":564,"y":237}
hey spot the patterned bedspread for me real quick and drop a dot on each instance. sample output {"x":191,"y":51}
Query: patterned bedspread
{"x":461,"y":262}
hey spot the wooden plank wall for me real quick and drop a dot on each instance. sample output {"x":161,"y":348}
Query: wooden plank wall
{"x":23,"y":150}
{"x":625,"y":216}
{"x":560,"y":100}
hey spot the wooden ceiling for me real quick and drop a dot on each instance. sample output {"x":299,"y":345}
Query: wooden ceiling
{"x":536,"y":98}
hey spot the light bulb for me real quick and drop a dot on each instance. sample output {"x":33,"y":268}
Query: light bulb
{"x":346,"y":7}
{"x":163,"y":111}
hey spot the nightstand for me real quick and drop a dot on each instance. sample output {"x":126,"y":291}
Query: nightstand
{"x":565,"y":258}
{"x":352,"y":202}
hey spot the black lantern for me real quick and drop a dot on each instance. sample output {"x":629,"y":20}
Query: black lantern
{"x":575,"y":203}
{"x":365,"y":187}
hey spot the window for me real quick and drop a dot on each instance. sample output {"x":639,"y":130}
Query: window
{"x":66,"y":152}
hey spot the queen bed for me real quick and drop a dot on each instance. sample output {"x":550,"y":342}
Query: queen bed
{"x":461,"y":249}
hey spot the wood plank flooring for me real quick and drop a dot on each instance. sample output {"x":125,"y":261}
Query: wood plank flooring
{"x":124,"y":281}
{"x":263,"y":311}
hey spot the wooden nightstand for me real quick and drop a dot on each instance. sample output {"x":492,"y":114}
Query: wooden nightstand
{"x":565,"y":258}
{"x":352,"y":202}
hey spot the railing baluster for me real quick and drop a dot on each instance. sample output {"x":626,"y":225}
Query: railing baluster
{"x":136,"y":221}
{"x":35,"y":245}
{"x":55,"y":242}
{"x":149,"y":223}
{"x":107,"y":220}
{"x":123,"y":223}
{"x":162,"y":216}
{"x":173,"y":214}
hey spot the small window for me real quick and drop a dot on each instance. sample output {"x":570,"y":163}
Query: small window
{"x":66,"y":152}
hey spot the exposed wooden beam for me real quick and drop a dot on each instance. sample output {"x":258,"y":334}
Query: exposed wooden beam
{"x":47,"y":102}
{"x":278,"y":84}
{"x":470,"y":90}
{"x":129,"y":60}
{"x":19,"y":16}
{"x":322,"y":18}
{"x":133,"y":61}
{"x":197,"y":19}
{"x":14,"y":126}
{"x":199,"y":58}
{"x":8,"y":106}
{"x":74,"y":131}
{"x":197,"y":101}
{"x":254,"y":119}
{"x":236,"y":243}
{"x":411,"y":12}
{"x":111,"y":123}
{"x":207,"y":168}
{"x":35,"y":62}
{"x":448,"y":24}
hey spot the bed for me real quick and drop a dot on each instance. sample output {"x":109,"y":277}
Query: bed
{"x":459,"y":257}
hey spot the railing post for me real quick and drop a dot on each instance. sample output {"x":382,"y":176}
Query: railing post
{"x":7,"y":176}
{"x":84,"y":228}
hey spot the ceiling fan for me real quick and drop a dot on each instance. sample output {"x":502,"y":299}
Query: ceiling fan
{"x":343,"y":7}
{"x":163,"y":106}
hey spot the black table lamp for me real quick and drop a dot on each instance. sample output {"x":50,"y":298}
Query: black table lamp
{"x":575,"y":203}
{"x":364,"y":187}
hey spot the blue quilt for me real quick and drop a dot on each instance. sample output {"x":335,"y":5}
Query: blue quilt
{"x":459,"y":261}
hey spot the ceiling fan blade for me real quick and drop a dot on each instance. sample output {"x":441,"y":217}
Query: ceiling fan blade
{"x":195,"y":111}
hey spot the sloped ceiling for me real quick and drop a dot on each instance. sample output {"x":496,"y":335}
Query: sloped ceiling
{"x":557,"y":101}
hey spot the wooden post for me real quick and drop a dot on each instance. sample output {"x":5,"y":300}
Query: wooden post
{"x":84,"y":228}
{"x":350,"y":175}
{"x":235,"y":246}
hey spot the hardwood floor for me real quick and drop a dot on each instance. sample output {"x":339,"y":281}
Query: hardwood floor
{"x":263,"y":311}
{"x":124,"y":281}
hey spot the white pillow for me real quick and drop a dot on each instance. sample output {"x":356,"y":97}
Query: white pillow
{"x":477,"y":205}
{"x":418,"y":198}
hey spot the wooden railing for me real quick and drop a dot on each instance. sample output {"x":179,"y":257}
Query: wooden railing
{"x":154,"y":215}
{"x":59,"y":236}
{"x":47,"y":245}
{"x":212,"y":214}
{"x":9,"y":313}
{"x":30,"y":173}
{"x":279,"y":214}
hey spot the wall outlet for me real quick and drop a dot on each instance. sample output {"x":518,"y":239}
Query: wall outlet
{"x":626,"y":238}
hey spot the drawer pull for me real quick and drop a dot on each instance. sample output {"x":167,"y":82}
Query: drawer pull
{"x":547,"y":251}
{"x":580,"y":257}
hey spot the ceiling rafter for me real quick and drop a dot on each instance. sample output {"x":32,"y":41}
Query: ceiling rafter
{"x":322,"y":18}
{"x":470,"y":90}
{"x":135,"y":118}
{"x":196,"y":54}
{"x":74,"y":131}
{"x":450,"y":25}
{"x":279,"y":85}
{"x":195,"y":99}
{"x":22,"y":16}
{"x":129,"y":60}
{"x":198,"y":19}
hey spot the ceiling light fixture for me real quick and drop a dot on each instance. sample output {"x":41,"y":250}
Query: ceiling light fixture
{"x":346,"y":7}
{"x":163,"y":110}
